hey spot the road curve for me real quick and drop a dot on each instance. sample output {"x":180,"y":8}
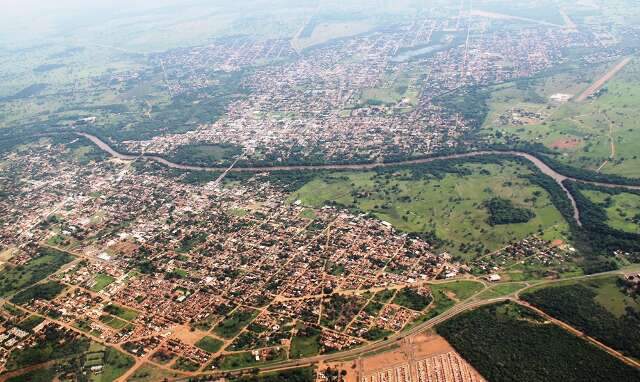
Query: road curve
{"x":559,"y":178}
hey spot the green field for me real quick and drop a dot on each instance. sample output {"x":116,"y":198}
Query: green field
{"x":501,"y":290}
{"x":149,"y":373}
{"x":233,"y":324}
{"x":460,"y":289}
{"x":451,"y":206}
{"x":121,"y":311}
{"x":47,"y":261}
{"x":581,"y":133}
{"x":246,"y":359}
{"x":599,"y":307}
{"x":623,"y":209}
{"x":115,"y":363}
{"x":305,"y":343}
{"x":506,"y":342}
{"x":43,"y":291}
{"x":209,"y":344}
{"x":185,"y":364}
{"x":408,"y":298}
{"x":113,"y":321}
{"x":101,"y":282}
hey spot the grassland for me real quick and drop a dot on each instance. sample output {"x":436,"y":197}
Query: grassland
{"x":233,"y":324}
{"x":209,"y":344}
{"x":45,"y":263}
{"x":583,"y":134}
{"x":305,"y":343}
{"x":450,"y":206}
{"x":445,"y":296}
{"x":246,"y":359}
{"x":501,"y":290}
{"x":101,"y":282}
{"x":149,"y":373}
{"x":121,"y":312}
{"x":623,"y":210}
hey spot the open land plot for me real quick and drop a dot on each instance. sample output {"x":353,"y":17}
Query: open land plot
{"x":604,"y":308}
{"x":501,"y":290}
{"x":306,"y":342}
{"x":209,"y":344}
{"x":623,"y":209}
{"x":232,"y":325}
{"x":323,"y":32}
{"x":47,"y":262}
{"x":149,"y":373}
{"x":121,"y":312}
{"x":247,"y":359}
{"x":451,"y":206}
{"x":489,"y":336}
{"x":445,"y":296}
{"x":101,"y":282}
{"x":584,"y":134}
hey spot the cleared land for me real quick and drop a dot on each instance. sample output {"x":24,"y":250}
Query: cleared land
{"x":599,"y":135}
{"x":451,"y":205}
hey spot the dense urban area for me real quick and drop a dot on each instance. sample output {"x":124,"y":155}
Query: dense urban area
{"x":410,"y":192}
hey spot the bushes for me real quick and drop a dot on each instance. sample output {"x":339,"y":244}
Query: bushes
{"x":412,"y":299}
{"x":502,"y":211}
{"x":45,"y":291}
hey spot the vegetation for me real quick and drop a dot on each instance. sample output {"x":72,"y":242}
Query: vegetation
{"x":206,"y":155}
{"x":598,"y":308}
{"x":506,"y":342}
{"x":412,"y":299}
{"x":101,"y":282}
{"x":209,"y":344}
{"x":338,"y":310}
{"x":44,"y":291}
{"x":247,"y":359}
{"x":295,"y":375}
{"x":185,"y":364}
{"x":149,"y":373}
{"x":52,"y":345}
{"x":46,"y":262}
{"x":232,"y":325}
{"x":305,"y":343}
{"x":502,"y":211}
{"x":443,"y":200}
{"x":122,"y":312}
{"x":602,"y":237}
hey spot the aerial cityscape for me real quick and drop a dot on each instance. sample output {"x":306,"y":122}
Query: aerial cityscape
{"x":320,"y":190}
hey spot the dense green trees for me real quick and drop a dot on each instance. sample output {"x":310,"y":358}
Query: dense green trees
{"x":506,"y":342}
{"x":575,"y":305}
{"x":502,"y":211}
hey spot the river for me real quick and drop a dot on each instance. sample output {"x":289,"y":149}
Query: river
{"x":559,"y":178}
